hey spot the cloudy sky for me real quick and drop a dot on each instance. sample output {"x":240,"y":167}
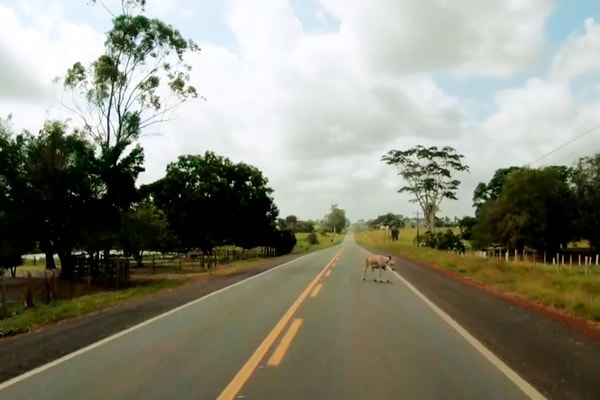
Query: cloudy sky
{"x":314,"y":92}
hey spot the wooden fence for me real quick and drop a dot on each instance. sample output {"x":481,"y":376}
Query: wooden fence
{"x":195,"y":261}
{"x":570,"y":258}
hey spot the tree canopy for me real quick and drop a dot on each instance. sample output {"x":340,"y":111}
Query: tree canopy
{"x":336,"y":219}
{"x":534,"y":209}
{"x":428,"y":173}
{"x":210,"y":201}
{"x":390,"y":220}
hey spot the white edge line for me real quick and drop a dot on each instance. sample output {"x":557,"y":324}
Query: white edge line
{"x":521,"y":383}
{"x":117,"y":335}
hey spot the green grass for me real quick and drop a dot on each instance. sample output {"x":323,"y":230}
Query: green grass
{"x":22,"y":320}
{"x":574,"y":293}
{"x":302,"y":245}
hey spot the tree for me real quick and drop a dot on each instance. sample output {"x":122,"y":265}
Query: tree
{"x":210,"y":201}
{"x":144,"y":228}
{"x":305,"y":226}
{"x":129,"y":3}
{"x":428,"y":173}
{"x":139,"y":81}
{"x":586,"y":187}
{"x":16,"y":235}
{"x":121,"y":89}
{"x":336,"y":219}
{"x":466,"y":224}
{"x":534,"y":209}
{"x":390,"y":220}
{"x":491,"y":191}
{"x":61,"y":170}
{"x":290,"y":222}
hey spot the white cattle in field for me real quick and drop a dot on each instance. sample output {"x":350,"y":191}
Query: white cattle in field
{"x":376,"y":261}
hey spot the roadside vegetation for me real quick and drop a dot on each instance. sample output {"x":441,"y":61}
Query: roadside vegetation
{"x":535,"y":232}
{"x":569,"y":289}
{"x":71,"y":192}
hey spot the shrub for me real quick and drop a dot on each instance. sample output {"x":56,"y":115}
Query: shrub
{"x":284,"y":241}
{"x":312,"y":238}
{"x":446,"y":240}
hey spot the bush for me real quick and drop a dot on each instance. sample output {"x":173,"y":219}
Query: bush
{"x":447,"y":240}
{"x":284,"y":241}
{"x":312,"y":238}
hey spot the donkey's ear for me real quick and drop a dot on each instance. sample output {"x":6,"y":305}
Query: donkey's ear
{"x":389,"y":257}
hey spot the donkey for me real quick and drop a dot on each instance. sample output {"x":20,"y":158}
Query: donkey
{"x":380,"y":262}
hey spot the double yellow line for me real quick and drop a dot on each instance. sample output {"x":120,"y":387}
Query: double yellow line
{"x":244,"y":374}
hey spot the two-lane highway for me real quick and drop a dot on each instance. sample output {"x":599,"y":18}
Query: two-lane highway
{"x":309,"y":329}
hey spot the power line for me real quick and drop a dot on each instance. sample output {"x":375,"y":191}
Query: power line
{"x":565,"y":144}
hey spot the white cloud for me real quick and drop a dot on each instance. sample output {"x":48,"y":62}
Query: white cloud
{"x":579,"y":54}
{"x":405,"y":36}
{"x":43,"y":48}
{"x":539,"y":112}
{"x":316,"y":111}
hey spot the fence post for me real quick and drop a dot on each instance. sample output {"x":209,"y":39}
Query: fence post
{"x":180,"y":259}
{"x":571,"y":262}
{"x":579,"y":262}
{"x":586,"y":265}
{"x":153,"y":264}
{"x":544,"y":256}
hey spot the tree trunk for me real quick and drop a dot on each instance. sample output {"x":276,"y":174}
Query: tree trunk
{"x":429,"y":220}
{"x":139,"y":257}
{"x":50,"y":264}
{"x":66,"y":265}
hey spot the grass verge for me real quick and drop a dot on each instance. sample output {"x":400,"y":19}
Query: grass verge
{"x":22,"y":320}
{"x":570,"y":291}
{"x":328,"y":240}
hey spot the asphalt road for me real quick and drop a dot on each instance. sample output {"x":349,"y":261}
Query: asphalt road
{"x":309,"y":329}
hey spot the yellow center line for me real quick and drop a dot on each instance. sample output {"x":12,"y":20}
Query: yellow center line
{"x":327,"y":273}
{"x":243,"y":374}
{"x":280,"y":351}
{"x":317,"y":290}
